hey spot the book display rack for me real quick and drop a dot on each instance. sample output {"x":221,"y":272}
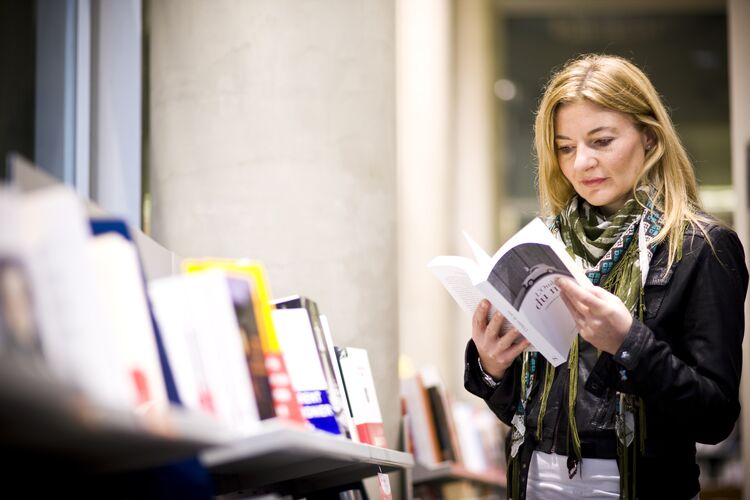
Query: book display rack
{"x":51,"y":426}
{"x":290,"y":460}
{"x":447,"y":472}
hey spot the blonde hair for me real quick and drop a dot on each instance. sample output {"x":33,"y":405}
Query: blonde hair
{"x":617,"y":84}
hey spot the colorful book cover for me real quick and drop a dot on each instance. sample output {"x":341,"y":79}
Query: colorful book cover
{"x":197,"y":307}
{"x":283,"y":393}
{"x":243,"y":308}
{"x":303,"y":363}
{"x":335,"y":389}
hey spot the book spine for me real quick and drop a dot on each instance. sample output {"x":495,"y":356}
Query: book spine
{"x":343,"y":411}
{"x":246,"y":319}
{"x":441,"y":424}
{"x":334,"y":390}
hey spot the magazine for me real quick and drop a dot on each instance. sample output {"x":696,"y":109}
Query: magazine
{"x":519,"y":280}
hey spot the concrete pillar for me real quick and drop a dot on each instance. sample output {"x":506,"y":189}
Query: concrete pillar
{"x":272,"y":136}
{"x":477,"y":177}
{"x":425,"y":177}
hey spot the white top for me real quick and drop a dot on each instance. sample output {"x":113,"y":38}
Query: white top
{"x":548,"y":478}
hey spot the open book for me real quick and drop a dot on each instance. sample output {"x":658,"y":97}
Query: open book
{"x":519,"y":282}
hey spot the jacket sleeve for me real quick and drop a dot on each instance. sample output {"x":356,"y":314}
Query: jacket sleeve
{"x":692,"y":371}
{"x":503,"y":399}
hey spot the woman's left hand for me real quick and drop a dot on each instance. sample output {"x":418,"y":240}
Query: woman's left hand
{"x":602,"y":319}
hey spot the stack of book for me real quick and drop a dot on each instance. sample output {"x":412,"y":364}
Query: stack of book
{"x":75,"y":304}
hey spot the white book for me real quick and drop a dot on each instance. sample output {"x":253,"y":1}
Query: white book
{"x":519,"y":281}
{"x":211,"y":329}
{"x":344,"y":413}
{"x":360,"y":389}
{"x":122,"y":299}
{"x":53,"y":232}
{"x":181,"y":343}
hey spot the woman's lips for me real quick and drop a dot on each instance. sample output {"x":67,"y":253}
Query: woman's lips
{"x":593,"y":182}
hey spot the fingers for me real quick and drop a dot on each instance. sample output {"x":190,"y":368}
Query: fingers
{"x":600,"y":292}
{"x":480,"y":323}
{"x":511,"y":340}
{"x":579,"y":296}
{"x":479,"y":319}
{"x":573,"y":308}
{"x":497,"y":336}
{"x":506,"y":349}
{"x":518,"y":348}
{"x":493,"y":327}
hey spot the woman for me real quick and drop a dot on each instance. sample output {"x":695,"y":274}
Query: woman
{"x":656,"y":367}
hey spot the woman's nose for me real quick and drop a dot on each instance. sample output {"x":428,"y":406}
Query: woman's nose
{"x":585,"y":158}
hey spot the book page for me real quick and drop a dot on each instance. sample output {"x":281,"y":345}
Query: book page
{"x":459,"y":276}
{"x":479,"y":254}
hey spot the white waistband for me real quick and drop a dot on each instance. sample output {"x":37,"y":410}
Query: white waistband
{"x":548,"y":478}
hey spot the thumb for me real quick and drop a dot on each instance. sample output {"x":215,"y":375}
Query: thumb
{"x":600,"y":292}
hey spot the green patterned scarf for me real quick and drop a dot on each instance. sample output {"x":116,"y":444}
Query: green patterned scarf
{"x":616,"y":252}
{"x":603,"y":245}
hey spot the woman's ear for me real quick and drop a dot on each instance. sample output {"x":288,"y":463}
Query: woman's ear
{"x":649,"y":139}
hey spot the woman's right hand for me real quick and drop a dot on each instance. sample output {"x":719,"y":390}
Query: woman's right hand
{"x":497,"y":346}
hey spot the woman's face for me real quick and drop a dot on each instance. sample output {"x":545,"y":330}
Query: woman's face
{"x":600,"y":151}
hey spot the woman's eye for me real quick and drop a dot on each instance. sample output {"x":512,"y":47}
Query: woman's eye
{"x":604,"y":141}
{"x":564,"y":149}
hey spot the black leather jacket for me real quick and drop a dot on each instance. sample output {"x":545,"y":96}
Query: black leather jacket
{"x":684,"y":361}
